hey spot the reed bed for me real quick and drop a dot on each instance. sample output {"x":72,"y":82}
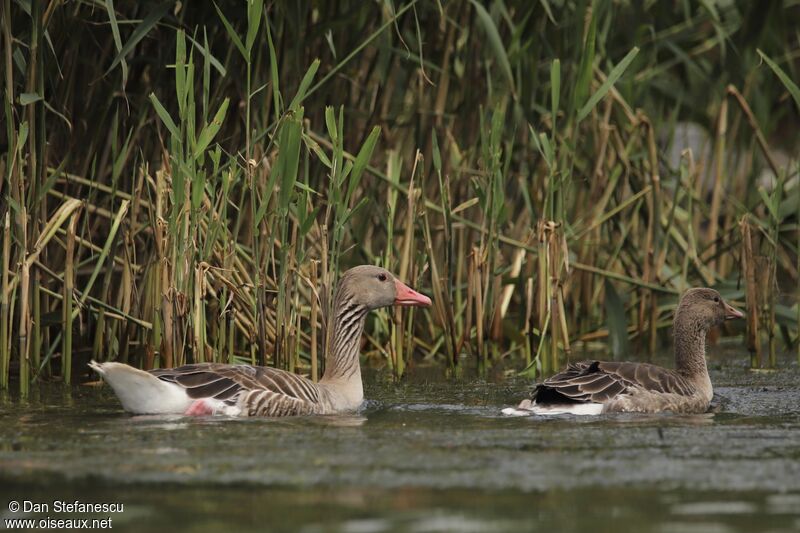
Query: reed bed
{"x":184,"y":183}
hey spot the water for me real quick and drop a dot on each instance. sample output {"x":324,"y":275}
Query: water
{"x":424,"y":455}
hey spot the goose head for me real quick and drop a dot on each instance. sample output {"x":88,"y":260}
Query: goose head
{"x":705,"y":308}
{"x":374,"y":287}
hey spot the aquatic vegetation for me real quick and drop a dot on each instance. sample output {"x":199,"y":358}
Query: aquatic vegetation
{"x":184,"y":183}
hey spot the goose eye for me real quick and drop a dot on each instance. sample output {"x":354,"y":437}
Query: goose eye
{"x":382,"y":277}
{"x":716,"y":299}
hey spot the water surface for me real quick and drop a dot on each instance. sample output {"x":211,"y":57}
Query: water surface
{"x":427,"y":454}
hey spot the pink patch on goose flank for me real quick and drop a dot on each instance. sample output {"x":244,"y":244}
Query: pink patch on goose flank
{"x":199,"y":408}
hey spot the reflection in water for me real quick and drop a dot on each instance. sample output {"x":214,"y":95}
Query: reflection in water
{"x":714,"y":508}
{"x":660,"y":419}
{"x":347,"y":421}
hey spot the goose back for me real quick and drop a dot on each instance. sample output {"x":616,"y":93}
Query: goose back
{"x":256,"y":390}
{"x":619,"y":386}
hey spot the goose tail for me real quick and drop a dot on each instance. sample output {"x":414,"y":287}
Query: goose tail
{"x":530,"y":407}
{"x":141,"y":392}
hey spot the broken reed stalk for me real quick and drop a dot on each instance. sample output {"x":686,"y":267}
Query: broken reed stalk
{"x":327,"y":300}
{"x":771,"y":289}
{"x":647,"y":316}
{"x":39,"y":333}
{"x":564,"y":328}
{"x":313,"y":321}
{"x":165,"y":350}
{"x":69,"y":284}
{"x":543,"y":291}
{"x":443,"y":280}
{"x":440,"y":301}
{"x":5,"y":310}
{"x":716,"y":195}
{"x":124,"y":300}
{"x":751,"y":293}
{"x":35,"y":149}
{"x":295,"y":337}
{"x":461,"y":299}
{"x":24,"y":327}
{"x":100,"y":346}
{"x":659,"y":241}
{"x":771,"y":326}
{"x":393,"y":170}
{"x":751,"y":120}
{"x":466,"y":334}
{"x":559,"y":334}
{"x":507,"y":292}
{"x":408,"y":326}
{"x":478,"y":305}
{"x":198,"y":318}
{"x":230,"y":308}
{"x":405,"y":267}
{"x":528,"y":329}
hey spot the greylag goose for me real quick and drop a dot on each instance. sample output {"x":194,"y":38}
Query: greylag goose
{"x":245,"y":390}
{"x":594,"y":387}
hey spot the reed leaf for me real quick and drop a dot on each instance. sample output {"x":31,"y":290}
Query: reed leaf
{"x":232,"y":35}
{"x":141,"y":31}
{"x":609,"y":82}
{"x":495,"y":42}
{"x":787,"y":82}
{"x":163,"y":114}
{"x":210,"y":130}
{"x":112,"y":18}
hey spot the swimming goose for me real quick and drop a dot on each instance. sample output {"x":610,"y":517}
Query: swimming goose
{"x":245,"y":390}
{"x":594,"y":387}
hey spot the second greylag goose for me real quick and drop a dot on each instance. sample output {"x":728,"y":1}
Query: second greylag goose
{"x":594,"y":387}
{"x":245,"y":390}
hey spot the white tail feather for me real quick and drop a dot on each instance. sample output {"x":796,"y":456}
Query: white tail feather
{"x":527,"y":408}
{"x":141,"y":392}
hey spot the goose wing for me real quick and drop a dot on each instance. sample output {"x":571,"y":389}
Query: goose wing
{"x":262,"y":391}
{"x":601,"y":381}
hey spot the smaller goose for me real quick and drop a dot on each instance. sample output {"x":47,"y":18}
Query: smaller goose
{"x":245,"y":390}
{"x":594,"y":387}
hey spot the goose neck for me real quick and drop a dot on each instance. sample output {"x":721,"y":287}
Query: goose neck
{"x":690,"y":351}
{"x":342,"y":362}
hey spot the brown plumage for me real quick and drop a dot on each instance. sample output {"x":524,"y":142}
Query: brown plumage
{"x":261,"y":391}
{"x":592,"y":387}
{"x":246,"y":390}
